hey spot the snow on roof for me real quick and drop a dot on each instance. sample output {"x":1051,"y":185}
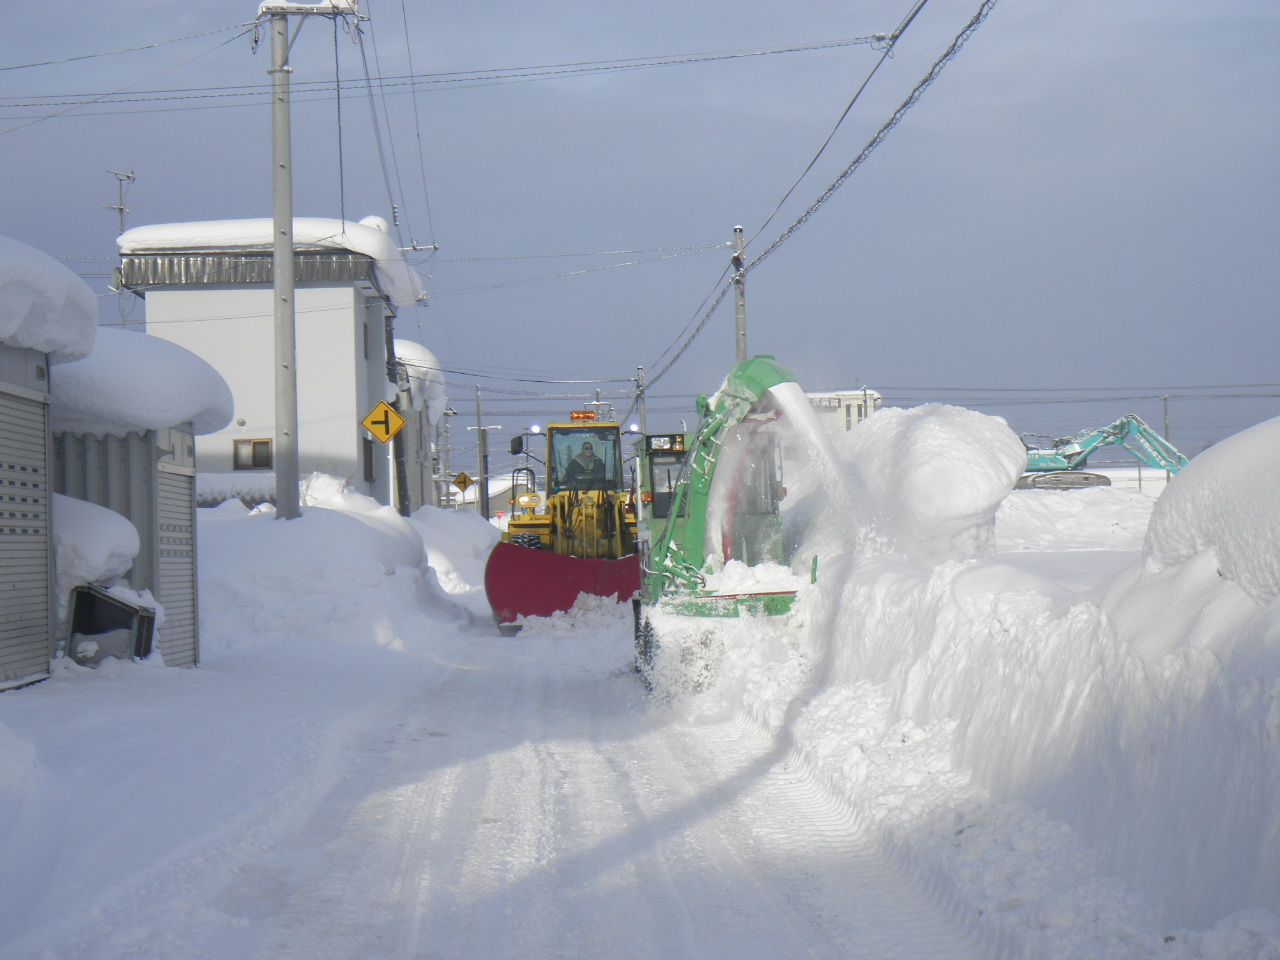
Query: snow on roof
{"x":426,"y":379}
{"x":370,"y":237}
{"x":133,"y":382}
{"x":43,"y":305}
{"x":1226,"y":500}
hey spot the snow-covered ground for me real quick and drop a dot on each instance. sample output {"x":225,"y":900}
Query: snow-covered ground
{"x":1034,"y":724}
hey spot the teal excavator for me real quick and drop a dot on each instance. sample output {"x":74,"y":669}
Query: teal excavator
{"x":1063,"y":465}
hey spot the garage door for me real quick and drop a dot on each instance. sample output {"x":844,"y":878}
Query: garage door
{"x":24,"y":541}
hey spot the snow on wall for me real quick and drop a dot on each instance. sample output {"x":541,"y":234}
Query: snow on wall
{"x":135,"y":382}
{"x":43,"y":305}
{"x":426,"y":379}
{"x":371,"y":237}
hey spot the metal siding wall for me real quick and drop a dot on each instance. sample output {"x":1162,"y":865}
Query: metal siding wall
{"x":24,"y":540}
{"x":179,"y":638}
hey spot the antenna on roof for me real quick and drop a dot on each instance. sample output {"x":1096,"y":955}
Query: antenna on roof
{"x":121,"y":179}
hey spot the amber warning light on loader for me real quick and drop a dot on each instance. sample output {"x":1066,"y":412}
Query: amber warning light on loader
{"x":582,"y":415}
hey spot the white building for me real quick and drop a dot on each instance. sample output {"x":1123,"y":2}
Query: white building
{"x":208,"y":287}
{"x":842,"y":410}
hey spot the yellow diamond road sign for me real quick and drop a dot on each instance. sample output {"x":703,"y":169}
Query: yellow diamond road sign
{"x":462,"y":481}
{"x":383,"y":422}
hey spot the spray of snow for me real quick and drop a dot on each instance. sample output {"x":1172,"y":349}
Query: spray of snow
{"x":135,"y":382}
{"x":44,"y":306}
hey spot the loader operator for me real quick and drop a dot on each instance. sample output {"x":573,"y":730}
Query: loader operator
{"x":586,"y":470}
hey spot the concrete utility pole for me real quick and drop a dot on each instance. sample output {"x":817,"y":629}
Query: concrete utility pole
{"x":285,"y":454}
{"x":482,"y":459}
{"x":644,"y":427}
{"x":740,"y":294}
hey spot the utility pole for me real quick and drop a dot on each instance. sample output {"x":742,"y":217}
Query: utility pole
{"x":285,"y":454}
{"x":482,"y":458}
{"x":739,"y":295}
{"x":644,"y":428}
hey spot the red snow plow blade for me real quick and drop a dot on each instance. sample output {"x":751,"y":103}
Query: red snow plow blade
{"x":521,"y":582}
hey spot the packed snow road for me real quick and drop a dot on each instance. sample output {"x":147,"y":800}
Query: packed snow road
{"x":527,"y":800}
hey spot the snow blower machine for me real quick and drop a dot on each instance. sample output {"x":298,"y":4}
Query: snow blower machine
{"x":580,"y":537}
{"x":719,"y":552}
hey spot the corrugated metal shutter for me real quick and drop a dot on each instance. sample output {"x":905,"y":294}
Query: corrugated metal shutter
{"x":177,"y":569}
{"x":24,"y":541}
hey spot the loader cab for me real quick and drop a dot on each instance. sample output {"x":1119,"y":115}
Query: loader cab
{"x":584,"y":455}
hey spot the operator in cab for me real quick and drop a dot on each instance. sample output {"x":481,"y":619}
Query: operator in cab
{"x":585,"y":470}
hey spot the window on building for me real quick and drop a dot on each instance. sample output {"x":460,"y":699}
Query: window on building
{"x":252,"y":455}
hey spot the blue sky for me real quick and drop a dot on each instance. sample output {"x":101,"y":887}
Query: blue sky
{"x":1083,"y":205}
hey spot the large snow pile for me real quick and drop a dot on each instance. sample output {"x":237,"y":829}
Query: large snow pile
{"x":135,"y":382}
{"x":935,"y":476}
{"x":370,"y":237}
{"x":426,"y":379}
{"x":1023,"y":734}
{"x":43,"y":305}
{"x":1227,"y":501}
{"x":348,"y":567}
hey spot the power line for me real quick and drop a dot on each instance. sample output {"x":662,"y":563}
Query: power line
{"x":417,"y":81}
{"x":112,"y":53}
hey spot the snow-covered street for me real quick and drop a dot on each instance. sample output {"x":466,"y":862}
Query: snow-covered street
{"x":1015,"y":753}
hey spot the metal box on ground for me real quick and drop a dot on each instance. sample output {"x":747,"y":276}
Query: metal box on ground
{"x":103,"y":626}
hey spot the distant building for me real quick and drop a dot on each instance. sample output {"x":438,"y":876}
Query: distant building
{"x":842,"y":410}
{"x":208,"y":287}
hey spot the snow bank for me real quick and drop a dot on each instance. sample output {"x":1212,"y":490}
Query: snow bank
{"x":135,"y":382}
{"x":43,"y":305}
{"x":1092,"y":518}
{"x":1021,"y":735}
{"x":1226,"y":500}
{"x":426,"y":379}
{"x":347,"y":569}
{"x":458,"y":544}
{"x":370,"y":237}
{"x":935,"y":476}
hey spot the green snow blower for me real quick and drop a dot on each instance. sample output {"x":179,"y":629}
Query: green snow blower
{"x":718,"y":552}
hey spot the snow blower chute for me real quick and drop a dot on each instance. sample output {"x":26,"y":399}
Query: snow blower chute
{"x":579,"y":538}
{"x":721,"y":552}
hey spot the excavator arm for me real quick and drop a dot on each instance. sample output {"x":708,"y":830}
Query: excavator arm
{"x":1072,"y":453}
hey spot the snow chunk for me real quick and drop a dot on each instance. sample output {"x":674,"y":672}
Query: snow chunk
{"x":43,"y":305}
{"x":936,"y":475}
{"x":136,"y":382}
{"x":370,"y":237}
{"x":1226,"y":500}
{"x":426,"y":379}
{"x":91,"y":544}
